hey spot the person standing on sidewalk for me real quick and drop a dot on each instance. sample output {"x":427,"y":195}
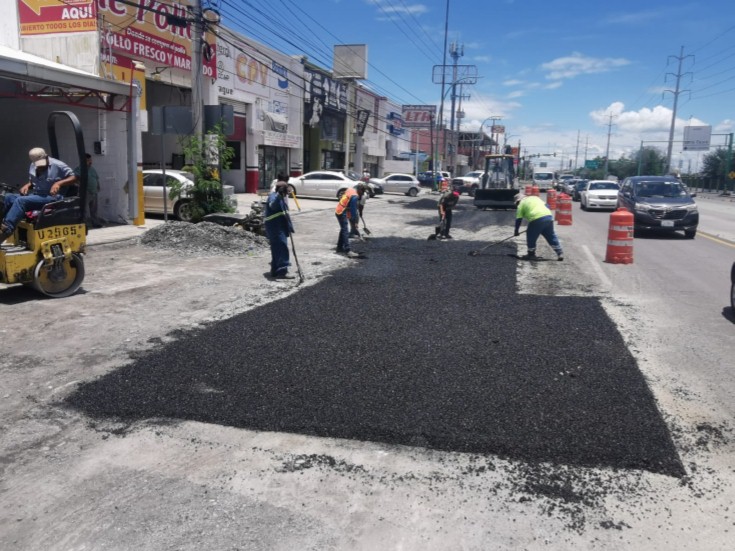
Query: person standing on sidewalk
{"x":540,"y":222}
{"x":93,"y":189}
{"x":278,"y":227}
{"x":348,"y":216}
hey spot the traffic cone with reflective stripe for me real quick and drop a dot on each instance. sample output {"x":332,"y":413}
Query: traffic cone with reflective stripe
{"x":620,"y":237}
{"x":564,"y":210}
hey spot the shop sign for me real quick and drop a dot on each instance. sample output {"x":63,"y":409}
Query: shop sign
{"x":56,"y":16}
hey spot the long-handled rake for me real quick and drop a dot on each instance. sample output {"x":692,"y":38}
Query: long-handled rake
{"x":478,"y":251}
{"x":293,"y":250}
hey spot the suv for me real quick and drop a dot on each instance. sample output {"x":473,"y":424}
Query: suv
{"x":468,"y":183}
{"x":660,"y":203}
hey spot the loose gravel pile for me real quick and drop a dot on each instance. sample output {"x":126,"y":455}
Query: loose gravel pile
{"x":419,"y":345}
{"x":204,"y":238}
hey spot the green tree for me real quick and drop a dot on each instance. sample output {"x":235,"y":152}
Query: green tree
{"x":207,"y":156}
{"x":714,"y":163}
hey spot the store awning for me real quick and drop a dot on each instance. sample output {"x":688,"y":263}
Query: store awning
{"x":21,"y":66}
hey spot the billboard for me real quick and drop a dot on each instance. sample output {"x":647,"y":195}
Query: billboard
{"x":39,"y":17}
{"x":697,"y":138}
{"x":418,"y":116}
{"x":147,"y":30}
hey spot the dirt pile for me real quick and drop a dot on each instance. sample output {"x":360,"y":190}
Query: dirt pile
{"x":203,"y":239}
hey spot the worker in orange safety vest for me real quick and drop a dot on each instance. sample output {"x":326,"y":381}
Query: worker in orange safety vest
{"x":348,"y":215}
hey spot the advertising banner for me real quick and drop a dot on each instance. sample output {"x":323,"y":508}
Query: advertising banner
{"x":160,"y":32}
{"x":697,"y":138}
{"x":56,"y":16}
{"x":418,"y":116}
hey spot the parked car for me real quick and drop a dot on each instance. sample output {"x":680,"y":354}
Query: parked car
{"x":373,"y":188}
{"x":468,"y":183}
{"x":153,"y":193}
{"x":570,"y":184}
{"x":599,"y":194}
{"x":321,"y":183}
{"x":426,"y":179}
{"x":579,"y":185}
{"x":660,"y":203}
{"x":398,"y":183}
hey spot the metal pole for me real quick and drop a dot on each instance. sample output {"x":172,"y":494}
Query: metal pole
{"x":197,"y":110}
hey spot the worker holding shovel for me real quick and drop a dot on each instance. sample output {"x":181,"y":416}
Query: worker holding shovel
{"x":540,"y":222}
{"x":278,"y":227}
{"x":447,"y":201}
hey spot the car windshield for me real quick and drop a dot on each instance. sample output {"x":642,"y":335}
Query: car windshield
{"x":605,"y":185}
{"x":543,"y":176}
{"x":660,"y":189}
{"x":353,"y":176}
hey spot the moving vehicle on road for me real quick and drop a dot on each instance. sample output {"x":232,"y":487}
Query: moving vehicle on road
{"x":660,"y":203}
{"x":561,"y":182}
{"x":426,"y":179}
{"x":398,"y":183}
{"x":599,"y":194}
{"x":576,"y":192}
{"x":154,"y":193}
{"x":543,"y":178}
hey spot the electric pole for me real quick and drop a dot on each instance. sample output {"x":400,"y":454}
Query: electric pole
{"x":681,"y":57}
{"x":455,"y":52}
{"x":607,"y":150}
{"x":576,"y":153}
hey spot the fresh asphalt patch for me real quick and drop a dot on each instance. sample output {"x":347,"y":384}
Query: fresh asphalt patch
{"x":421,"y":345}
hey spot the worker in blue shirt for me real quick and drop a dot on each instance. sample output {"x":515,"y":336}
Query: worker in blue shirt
{"x":278,"y":227}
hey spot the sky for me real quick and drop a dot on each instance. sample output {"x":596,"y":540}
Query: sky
{"x":565,"y":77}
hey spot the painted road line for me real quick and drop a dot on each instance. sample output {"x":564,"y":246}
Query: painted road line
{"x":596,"y":265}
{"x":716,"y":239}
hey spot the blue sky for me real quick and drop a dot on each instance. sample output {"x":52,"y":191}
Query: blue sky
{"x":552,"y":70}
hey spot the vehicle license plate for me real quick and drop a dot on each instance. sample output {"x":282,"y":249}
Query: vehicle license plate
{"x":667,"y":223}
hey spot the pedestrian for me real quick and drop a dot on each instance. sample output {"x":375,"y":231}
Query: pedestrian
{"x":540,"y":222}
{"x":278,"y":228}
{"x":46,"y":178}
{"x":348,"y":216}
{"x":93,"y":189}
{"x":447,"y":201}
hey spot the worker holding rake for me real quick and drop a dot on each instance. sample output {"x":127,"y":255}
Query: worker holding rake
{"x":278,"y":227}
{"x":540,"y":222}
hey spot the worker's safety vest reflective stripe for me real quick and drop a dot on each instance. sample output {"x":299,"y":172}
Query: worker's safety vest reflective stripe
{"x":344,"y":201}
{"x":276,"y":215}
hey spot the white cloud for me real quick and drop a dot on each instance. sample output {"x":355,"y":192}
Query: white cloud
{"x":553,"y":86}
{"x":579,"y":64}
{"x":483,"y":58}
{"x":388,"y":8}
{"x":516,"y":94}
{"x":513,"y":82}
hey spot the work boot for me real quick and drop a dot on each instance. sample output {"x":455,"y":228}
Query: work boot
{"x":285,"y":276}
{"x":530,"y":255}
{"x":5,"y":232}
{"x":560,"y":257}
{"x":448,"y":237}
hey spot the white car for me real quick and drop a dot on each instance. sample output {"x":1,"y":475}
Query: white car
{"x":153,"y":193}
{"x":469,"y":183}
{"x":399,"y":183}
{"x":330,"y":184}
{"x":599,"y":194}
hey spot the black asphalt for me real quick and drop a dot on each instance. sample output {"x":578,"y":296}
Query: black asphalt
{"x":420,"y":345}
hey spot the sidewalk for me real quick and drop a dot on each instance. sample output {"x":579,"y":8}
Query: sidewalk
{"x":123,"y":232}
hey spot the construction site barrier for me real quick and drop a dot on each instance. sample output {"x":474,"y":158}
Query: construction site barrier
{"x":563,"y":215}
{"x":620,"y":237}
{"x":535,"y":191}
{"x":551,"y":199}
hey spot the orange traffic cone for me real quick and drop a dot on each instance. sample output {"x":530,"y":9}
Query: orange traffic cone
{"x":551,"y":199}
{"x":620,"y":237}
{"x":564,"y":210}
{"x":535,"y":191}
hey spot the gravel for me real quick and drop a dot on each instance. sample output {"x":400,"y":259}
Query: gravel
{"x":204,"y":238}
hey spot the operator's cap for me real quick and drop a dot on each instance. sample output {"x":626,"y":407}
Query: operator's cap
{"x":37,"y":155}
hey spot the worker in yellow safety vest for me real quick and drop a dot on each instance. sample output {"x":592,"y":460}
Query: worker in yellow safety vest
{"x":540,"y":222}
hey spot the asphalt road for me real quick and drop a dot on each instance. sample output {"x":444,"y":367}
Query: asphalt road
{"x":419,"y":399}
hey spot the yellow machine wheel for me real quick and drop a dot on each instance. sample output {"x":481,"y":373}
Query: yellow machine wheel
{"x":61,"y":279}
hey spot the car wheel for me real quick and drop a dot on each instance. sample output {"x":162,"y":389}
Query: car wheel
{"x":689,"y":234}
{"x":472,"y":191}
{"x":340,"y":193}
{"x":413,"y":192}
{"x":183,"y":211}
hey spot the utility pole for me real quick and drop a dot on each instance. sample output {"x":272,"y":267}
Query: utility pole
{"x":576,"y":153}
{"x":681,"y":57}
{"x":197,"y":97}
{"x":455,"y":52}
{"x":440,"y":120}
{"x":607,"y":150}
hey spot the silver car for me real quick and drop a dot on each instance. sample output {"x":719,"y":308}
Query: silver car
{"x":399,"y":183}
{"x":321,"y":183}
{"x":153,"y":193}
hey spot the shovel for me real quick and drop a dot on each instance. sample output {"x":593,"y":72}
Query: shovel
{"x":364,"y":226}
{"x":478,"y":251}
{"x":438,"y":230}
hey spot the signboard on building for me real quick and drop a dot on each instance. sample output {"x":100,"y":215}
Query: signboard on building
{"x":162,"y":35}
{"x":56,"y":16}
{"x":497,"y":129}
{"x":395,"y":124}
{"x":697,"y":138}
{"x":418,"y":116}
